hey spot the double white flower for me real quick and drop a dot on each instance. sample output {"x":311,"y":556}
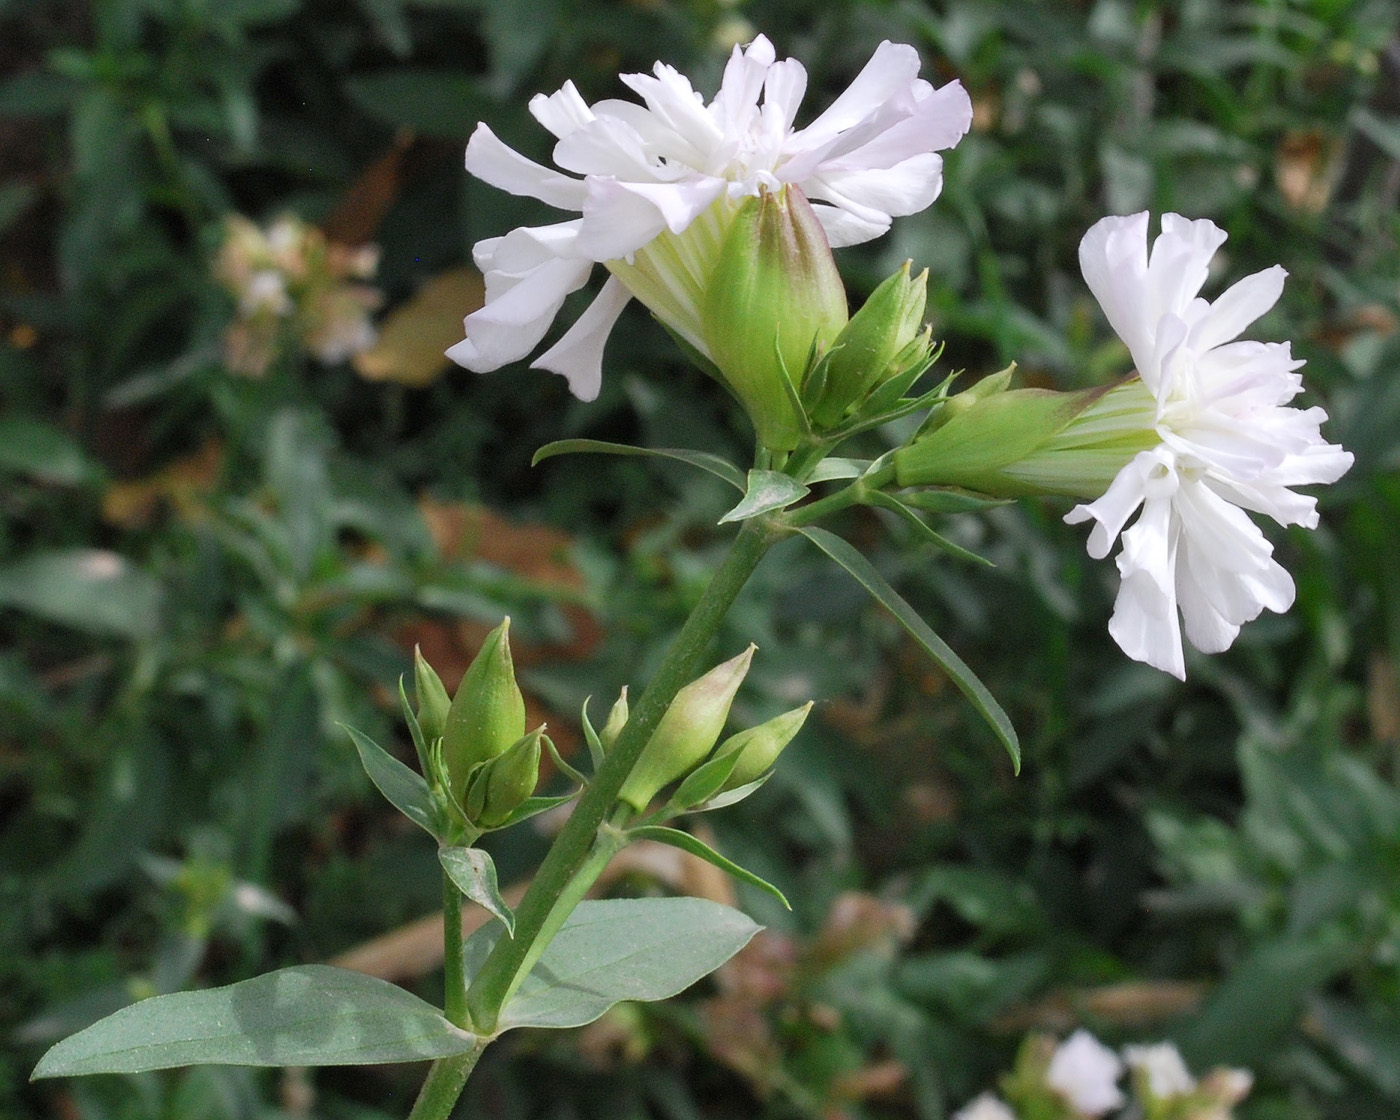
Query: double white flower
{"x":658,"y":181}
{"x":1229,"y":443}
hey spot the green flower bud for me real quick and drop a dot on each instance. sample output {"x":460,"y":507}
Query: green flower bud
{"x":773,"y":298}
{"x":877,"y":342}
{"x":617,"y":720}
{"x":758,"y":747}
{"x":500,"y":786}
{"x":433,"y":703}
{"x":487,"y":715}
{"x":1014,"y":442}
{"x":686,"y":732}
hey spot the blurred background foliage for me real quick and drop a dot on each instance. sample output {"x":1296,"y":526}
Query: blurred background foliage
{"x":202,"y":572}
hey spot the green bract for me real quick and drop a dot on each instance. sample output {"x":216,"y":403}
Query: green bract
{"x":873,"y":344}
{"x":773,"y":300}
{"x":758,"y":747}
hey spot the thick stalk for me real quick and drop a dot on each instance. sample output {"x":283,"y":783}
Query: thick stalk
{"x":444,"y":1085}
{"x":454,"y":1004}
{"x":502,"y":968}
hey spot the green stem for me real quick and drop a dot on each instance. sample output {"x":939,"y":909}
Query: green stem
{"x":446,"y":1080}
{"x":500,"y":973}
{"x":454,"y":978}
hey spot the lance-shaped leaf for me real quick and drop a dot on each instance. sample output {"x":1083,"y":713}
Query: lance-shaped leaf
{"x":833,"y":468}
{"x":405,"y":790}
{"x":865,"y":574}
{"x":720,"y":468}
{"x":767,"y":491}
{"x":688,"y":843}
{"x":312,"y":1015}
{"x":615,"y":950}
{"x":894,"y":505}
{"x":474,"y":874}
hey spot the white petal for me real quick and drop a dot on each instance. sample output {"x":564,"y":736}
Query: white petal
{"x":509,"y":327}
{"x":783,"y":88}
{"x":1118,"y":503}
{"x":842,"y":227}
{"x":605,"y":145}
{"x":891,"y":70}
{"x":561,"y":112}
{"x":1180,"y":262}
{"x":620,"y":218}
{"x":940,"y":118}
{"x":1113,"y":258}
{"x":579,"y":354}
{"x":1237,"y":307}
{"x":1145,"y":625}
{"x":494,"y":162}
{"x":673,"y":100}
{"x":736,"y":102}
{"x":906,"y":188}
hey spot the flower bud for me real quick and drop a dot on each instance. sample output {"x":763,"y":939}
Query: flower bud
{"x":501,"y":785}
{"x":488,"y":713}
{"x":758,"y":747}
{"x":865,"y":353}
{"x":433,"y":703}
{"x":774,"y":295}
{"x":617,"y":720}
{"x":686,"y":732}
{"x":1014,"y":442}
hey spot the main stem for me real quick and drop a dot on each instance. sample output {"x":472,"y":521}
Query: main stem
{"x":501,"y":971}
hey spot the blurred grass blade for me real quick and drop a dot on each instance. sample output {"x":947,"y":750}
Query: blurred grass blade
{"x":864,"y":573}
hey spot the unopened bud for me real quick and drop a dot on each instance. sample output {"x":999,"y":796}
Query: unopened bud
{"x":877,"y":342}
{"x":774,"y":296}
{"x":617,"y":720}
{"x":487,"y":715}
{"x":501,"y":785}
{"x":758,"y":747}
{"x":433,"y":702}
{"x":1014,"y":442}
{"x":686,"y":732}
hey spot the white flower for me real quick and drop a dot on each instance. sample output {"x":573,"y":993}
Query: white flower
{"x":1161,"y":1064}
{"x":1085,"y":1072}
{"x":1229,"y":443}
{"x":985,"y":1107}
{"x":657,"y":182}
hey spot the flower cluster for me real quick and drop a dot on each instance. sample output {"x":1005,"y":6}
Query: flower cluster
{"x":658,"y":185}
{"x":1078,"y":1080}
{"x":288,"y":278}
{"x":1227,"y":442}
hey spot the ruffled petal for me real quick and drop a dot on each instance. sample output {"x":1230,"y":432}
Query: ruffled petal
{"x":1113,"y":258}
{"x":891,"y":70}
{"x":842,"y":227}
{"x":561,"y":112}
{"x":906,"y":188}
{"x":1237,"y":307}
{"x":579,"y":354}
{"x":619,"y":218}
{"x":508,"y":327}
{"x":492,"y":161}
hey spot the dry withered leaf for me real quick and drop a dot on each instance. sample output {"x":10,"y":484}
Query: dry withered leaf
{"x":180,"y":485}
{"x":413,"y":337}
{"x":1306,"y":167}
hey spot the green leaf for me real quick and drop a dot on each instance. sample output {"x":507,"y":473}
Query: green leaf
{"x":835,"y":468}
{"x":766,"y":491}
{"x":894,"y":505}
{"x":91,"y":589}
{"x":31,"y":447}
{"x":311,"y":1015}
{"x":474,"y":874}
{"x":595,"y":744}
{"x":720,"y":468}
{"x":688,"y":843}
{"x":864,"y":573}
{"x":406,"y":791}
{"x":949,"y":501}
{"x":615,"y":950}
{"x":733,"y":796}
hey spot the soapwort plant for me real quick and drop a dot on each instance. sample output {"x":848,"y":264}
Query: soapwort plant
{"x":720,"y":218}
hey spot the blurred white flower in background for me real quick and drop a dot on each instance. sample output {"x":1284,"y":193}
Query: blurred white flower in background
{"x":658,"y":182}
{"x":1085,"y":1072}
{"x":1229,"y":443}
{"x":1163,"y":1069}
{"x":985,"y":1107}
